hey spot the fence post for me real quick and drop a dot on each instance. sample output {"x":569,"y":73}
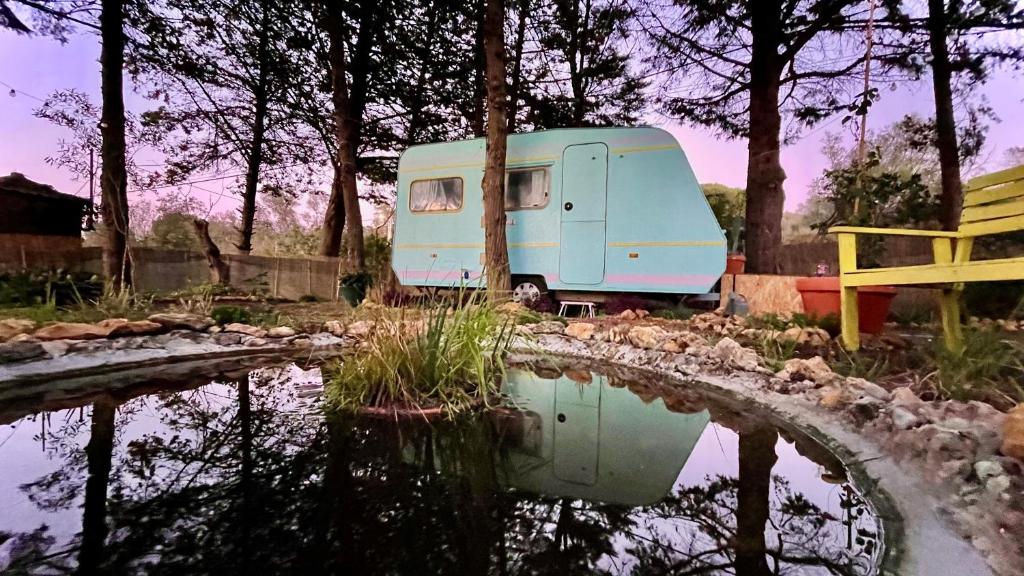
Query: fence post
{"x":277,"y":276}
{"x":309,"y":276}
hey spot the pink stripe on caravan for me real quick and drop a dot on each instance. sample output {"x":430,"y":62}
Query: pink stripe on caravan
{"x":662,"y":280}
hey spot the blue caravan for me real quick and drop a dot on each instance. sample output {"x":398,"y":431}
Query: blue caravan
{"x":592,"y":210}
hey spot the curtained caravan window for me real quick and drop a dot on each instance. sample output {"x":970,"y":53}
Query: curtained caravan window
{"x":437,"y":195}
{"x":526,"y":188}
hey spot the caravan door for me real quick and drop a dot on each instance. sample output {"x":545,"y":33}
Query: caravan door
{"x":584,"y":198}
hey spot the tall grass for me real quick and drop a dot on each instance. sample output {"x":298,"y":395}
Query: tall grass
{"x":453,"y":356}
{"x":991,"y":368}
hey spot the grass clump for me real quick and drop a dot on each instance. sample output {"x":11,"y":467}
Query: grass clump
{"x":990,"y":369}
{"x":453,"y":357}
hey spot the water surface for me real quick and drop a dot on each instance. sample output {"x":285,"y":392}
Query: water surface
{"x":585,"y":472}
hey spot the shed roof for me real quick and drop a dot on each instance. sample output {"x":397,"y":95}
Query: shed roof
{"x":17,"y":183}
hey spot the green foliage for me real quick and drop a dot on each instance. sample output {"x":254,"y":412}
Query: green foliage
{"x":454,"y":358}
{"x":775,"y":351}
{"x":230,"y":314}
{"x":865,"y":195}
{"x":56,"y":287}
{"x":679,"y":312}
{"x":861,"y":365}
{"x":730,"y":208}
{"x":173,"y":230}
{"x":360,"y":281}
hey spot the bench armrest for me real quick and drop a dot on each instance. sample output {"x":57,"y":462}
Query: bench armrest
{"x":893,"y":232}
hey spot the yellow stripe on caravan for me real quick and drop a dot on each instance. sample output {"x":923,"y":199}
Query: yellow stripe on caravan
{"x":473,"y":245}
{"x":480,"y":165}
{"x":667,"y":244}
{"x":643,"y":149}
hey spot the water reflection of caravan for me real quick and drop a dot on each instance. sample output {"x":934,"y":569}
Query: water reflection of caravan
{"x":596,"y":442}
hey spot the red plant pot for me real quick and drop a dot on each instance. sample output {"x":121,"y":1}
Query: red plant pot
{"x":821,"y":298}
{"x":735,"y":263}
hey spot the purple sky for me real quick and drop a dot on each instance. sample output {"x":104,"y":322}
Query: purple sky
{"x":38,"y":66}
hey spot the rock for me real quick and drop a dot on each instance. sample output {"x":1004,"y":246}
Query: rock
{"x":255,"y":341}
{"x":985,"y":469}
{"x":281,"y":332}
{"x":124,"y":327}
{"x":512,"y":308}
{"x":814,"y":369}
{"x":11,"y":327}
{"x":870,"y":388}
{"x":228,"y":339}
{"x":641,"y":313}
{"x":71,"y":331}
{"x":998,"y":484}
{"x":551,"y":327}
{"x":181,"y":321}
{"x":866,"y":409}
{"x":672,"y":347}
{"x":334,"y":328}
{"x":360,"y":329}
{"x":647,"y":337}
{"x":1013,"y":433}
{"x":730,"y":353}
{"x":19,"y":351}
{"x":580,"y":330}
{"x":214,"y":329}
{"x":832,"y":398}
{"x":904,"y":396}
{"x":903,"y":419}
{"x":627,"y":315}
{"x":56,"y":348}
{"x":24,"y":338}
{"x":248,"y":330}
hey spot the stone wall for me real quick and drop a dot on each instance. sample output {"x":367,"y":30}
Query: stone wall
{"x":159,"y":270}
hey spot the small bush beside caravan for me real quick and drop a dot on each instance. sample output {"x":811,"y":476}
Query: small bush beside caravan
{"x":589,"y":210}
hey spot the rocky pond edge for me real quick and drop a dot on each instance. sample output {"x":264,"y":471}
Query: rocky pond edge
{"x":936,"y":464}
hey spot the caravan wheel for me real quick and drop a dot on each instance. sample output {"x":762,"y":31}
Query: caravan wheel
{"x":526,"y":293}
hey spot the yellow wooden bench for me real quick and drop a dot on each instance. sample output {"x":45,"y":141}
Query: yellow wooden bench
{"x":993,"y":204}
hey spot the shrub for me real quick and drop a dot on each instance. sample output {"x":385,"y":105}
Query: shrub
{"x":994,"y":299}
{"x":56,"y":287}
{"x":452,"y":358}
{"x":230,"y":314}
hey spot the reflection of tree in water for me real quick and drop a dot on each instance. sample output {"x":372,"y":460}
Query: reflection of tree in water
{"x":237,"y":483}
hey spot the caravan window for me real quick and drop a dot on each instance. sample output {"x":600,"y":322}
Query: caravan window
{"x":437,"y":195}
{"x":527,"y":188}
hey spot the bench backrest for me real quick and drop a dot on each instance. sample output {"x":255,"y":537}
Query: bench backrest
{"x":994,"y":203}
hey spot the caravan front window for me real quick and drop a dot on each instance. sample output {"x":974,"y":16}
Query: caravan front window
{"x":527,"y":188}
{"x":437,"y":195}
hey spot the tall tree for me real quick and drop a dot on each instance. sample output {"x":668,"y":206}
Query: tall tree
{"x":740,"y":67}
{"x":499,"y":279}
{"x":56,"y":19}
{"x":349,"y":79}
{"x":963,"y":40}
{"x":581,"y":67}
{"x":221,"y":70}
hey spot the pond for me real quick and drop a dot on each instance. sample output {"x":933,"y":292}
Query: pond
{"x":585,"y":470}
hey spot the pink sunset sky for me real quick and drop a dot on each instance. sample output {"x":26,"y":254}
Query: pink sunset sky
{"x":36,"y":66}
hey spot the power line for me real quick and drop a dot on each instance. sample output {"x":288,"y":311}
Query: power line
{"x":22,"y":92}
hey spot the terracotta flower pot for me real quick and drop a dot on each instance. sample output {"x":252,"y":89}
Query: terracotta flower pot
{"x":821,"y":298}
{"x":735,"y":263}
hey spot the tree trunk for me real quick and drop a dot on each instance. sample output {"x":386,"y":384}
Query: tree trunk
{"x":753,"y":504}
{"x":117,"y":266}
{"x":952,"y":197}
{"x":255,"y":160}
{"x":499,"y":279}
{"x":334,"y":219}
{"x":517,"y":66}
{"x":345,"y":132}
{"x":220,"y":272}
{"x":765,"y":195}
{"x":476,"y":111}
{"x":99,"y":451}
